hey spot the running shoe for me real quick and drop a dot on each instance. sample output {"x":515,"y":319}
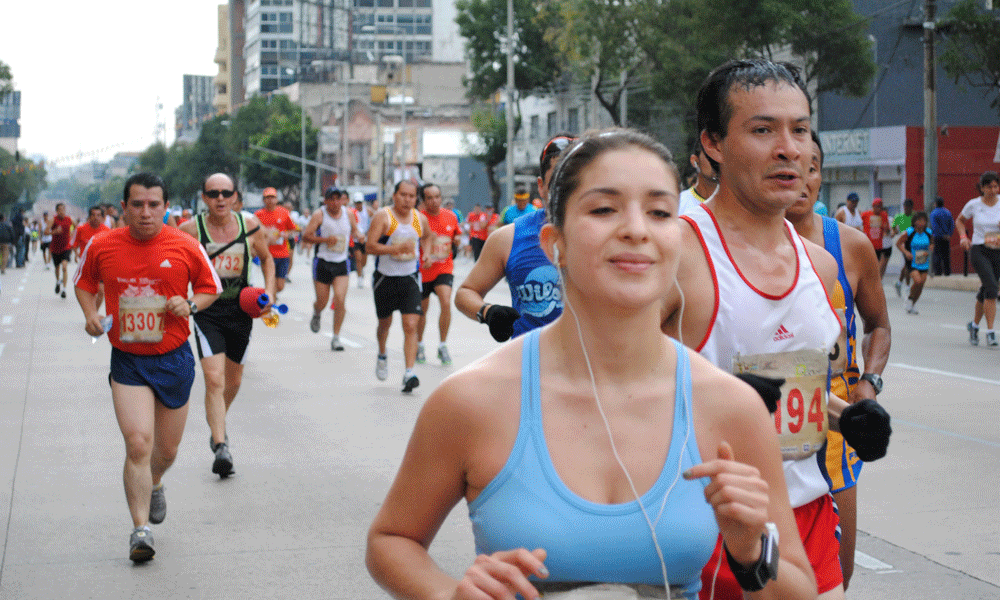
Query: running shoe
{"x":335,"y":344}
{"x":62,"y":294}
{"x":314,"y":323}
{"x":382,"y":368}
{"x":443,"y":355}
{"x":899,"y":288}
{"x":57,"y":287}
{"x":409,"y":382}
{"x":910,"y":308}
{"x":157,"y":506}
{"x":141,"y":545}
{"x":223,"y":463}
{"x":421,"y":357}
{"x":991,"y":338}
{"x":973,"y":333}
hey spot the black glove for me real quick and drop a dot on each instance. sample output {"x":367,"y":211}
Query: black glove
{"x":501,"y":321}
{"x":769,"y":389}
{"x":865,"y":426}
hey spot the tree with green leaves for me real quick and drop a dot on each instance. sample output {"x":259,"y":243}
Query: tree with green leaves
{"x":6,"y":80}
{"x":491,"y":126}
{"x":483,"y":23}
{"x":20,"y":180}
{"x":597,"y":41}
{"x":283,"y":134}
{"x":971,"y":49}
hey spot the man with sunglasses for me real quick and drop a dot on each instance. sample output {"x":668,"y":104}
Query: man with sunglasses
{"x":222,"y":331}
{"x":514,"y":252}
{"x":278,"y":227}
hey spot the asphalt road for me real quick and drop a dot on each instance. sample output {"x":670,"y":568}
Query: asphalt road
{"x":316,"y":440}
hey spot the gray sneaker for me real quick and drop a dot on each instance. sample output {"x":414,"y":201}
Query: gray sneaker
{"x":443,"y":355}
{"x":157,"y":506}
{"x":991,"y":338}
{"x":223,"y":464}
{"x":421,"y":357}
{"x":899,"y":288}
{"x":140,"y":545}
{"x":314,"y":323}
{"x":973,"y":333}
{"x":382,"y":368}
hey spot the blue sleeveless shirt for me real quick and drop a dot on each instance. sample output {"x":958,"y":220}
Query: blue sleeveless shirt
{"x":533,"y":280}
{"x":528,"y":506}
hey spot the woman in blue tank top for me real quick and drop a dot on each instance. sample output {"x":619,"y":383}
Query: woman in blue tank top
{"x":596,"y":452}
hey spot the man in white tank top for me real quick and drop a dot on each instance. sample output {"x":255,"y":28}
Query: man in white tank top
{"x":331,"y":228}
{"x":397,"y":237}
{"x":754,"y":292}
{"x":849,"y":214}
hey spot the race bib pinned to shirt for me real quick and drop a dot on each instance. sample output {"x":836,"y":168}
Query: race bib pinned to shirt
{"x":229,"y":263}
{"x":801,"y":418}
{"x":141,"y":319}
{"x":338,"y":245}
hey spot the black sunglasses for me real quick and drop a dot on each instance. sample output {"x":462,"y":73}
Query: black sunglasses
{"x":217,"y":193}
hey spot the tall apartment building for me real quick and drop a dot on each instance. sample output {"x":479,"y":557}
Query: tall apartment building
{"x":10,"y":121}
{"x":285,"y":40}
{"x":197,"y":106}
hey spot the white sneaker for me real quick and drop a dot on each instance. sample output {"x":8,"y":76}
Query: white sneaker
{"x":382,"y":368}
{"x":910,"y":308}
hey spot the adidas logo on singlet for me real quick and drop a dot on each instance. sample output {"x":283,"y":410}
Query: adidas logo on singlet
{"x":783,"y":334}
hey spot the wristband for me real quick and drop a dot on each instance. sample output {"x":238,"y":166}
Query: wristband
{"x":481,"y":314}
{"x":755,"y":576}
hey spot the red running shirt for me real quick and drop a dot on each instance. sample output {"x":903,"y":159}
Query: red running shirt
{"x":139,"y":277}
{"x":444,"y":228}
{"x":84,"y":232}
{"x":60,"y":241}
{"x":282,"y":221}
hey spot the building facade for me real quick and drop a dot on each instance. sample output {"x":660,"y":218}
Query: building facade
{"x":197,"y":107}
{"x":10,"y":121}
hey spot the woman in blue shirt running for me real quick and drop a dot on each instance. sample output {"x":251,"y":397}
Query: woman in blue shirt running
{"x":917,"y":245}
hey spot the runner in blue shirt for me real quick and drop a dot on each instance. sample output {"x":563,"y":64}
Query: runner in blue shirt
{"x":916,"y":246}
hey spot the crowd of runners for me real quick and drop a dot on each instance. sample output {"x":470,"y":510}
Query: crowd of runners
{"x":608,"y":423}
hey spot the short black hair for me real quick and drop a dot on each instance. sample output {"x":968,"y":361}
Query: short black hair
{"x":97,"y":207}
{"x":714,"y":107}
{"x":988,"y":178}
{"x":401,"y":182}
{"x":819,"y":144}
{"x":423,"y":188}
{"x":939,"y":202}
{"x":146,"y":180}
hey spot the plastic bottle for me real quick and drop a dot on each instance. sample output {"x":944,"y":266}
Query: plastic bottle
{"x":106,"y":323}
{"x":271,"y":318}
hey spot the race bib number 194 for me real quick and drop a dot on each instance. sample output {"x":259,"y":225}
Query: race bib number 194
{"x":800,"y":420}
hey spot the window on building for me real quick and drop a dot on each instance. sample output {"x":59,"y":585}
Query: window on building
{"x":534,"y":131}
{"x":573,"y":119}
{"x":364,"y":3}
{"x":358,"y":155}
{"x":406,"y":4}
{"x":550,"y":124}
{"x":385,"y":3}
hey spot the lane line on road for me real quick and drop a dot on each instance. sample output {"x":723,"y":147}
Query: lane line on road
{"x":870,"y":562}
{"x":1,"y":349}
{"x":7,"y":319}
{"x":946,"y":374}
{"x":948,"y":433}
{"x":15,"y":300}
{"x":344,"y":341}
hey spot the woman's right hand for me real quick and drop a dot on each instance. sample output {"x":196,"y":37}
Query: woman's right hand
{"x":502,"y":575}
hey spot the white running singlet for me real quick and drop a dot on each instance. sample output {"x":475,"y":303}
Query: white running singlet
{"x":401,"y":232}
{"x":340,"y":227}
{"x":748,"y":321}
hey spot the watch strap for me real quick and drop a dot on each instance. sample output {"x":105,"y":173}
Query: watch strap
{"x":874,"y":379}
{"x":481,"y":314}
{"x":754,"y":577}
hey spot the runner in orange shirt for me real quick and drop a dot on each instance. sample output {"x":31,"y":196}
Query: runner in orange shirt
{"x":278,"y":224}
{"x":437,"y":268}
{"x":88,"y":229}
{"x":146,"y":269}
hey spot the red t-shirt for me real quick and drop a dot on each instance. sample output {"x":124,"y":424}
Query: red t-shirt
{"x":282,"y":221}
{"x":876,"y":226}
{"x":139,"y":277}
{"x":444,"y":228}
{"x":482,"y":227}
{"x":61,"y":241}
{"x":84,"y":232}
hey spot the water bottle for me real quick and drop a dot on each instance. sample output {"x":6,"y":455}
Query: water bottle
{"x":106,"y":323}
{"x":271,"y":318}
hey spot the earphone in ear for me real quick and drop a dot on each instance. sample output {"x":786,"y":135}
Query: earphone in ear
{"x":555,"y":253}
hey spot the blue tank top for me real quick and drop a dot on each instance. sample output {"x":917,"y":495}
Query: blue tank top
{"x":831,"y":241}
{"x":533,"y":280}
{"x":528,"y":506}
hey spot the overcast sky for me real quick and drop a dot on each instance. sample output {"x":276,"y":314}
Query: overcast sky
{"x":90,"y":72}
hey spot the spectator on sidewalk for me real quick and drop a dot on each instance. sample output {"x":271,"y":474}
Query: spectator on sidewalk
{"x":943,"y":225}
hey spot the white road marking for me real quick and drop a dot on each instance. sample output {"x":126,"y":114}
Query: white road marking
{"x":950,"y":326}
{"x":344,"y":341}
{"x":15,"y":300}
{"x":946,"y":374}
{"x":871,"y":563}
{"x":20,"y":289}
{"x":1,"y":349}
{"x":7,"y":319}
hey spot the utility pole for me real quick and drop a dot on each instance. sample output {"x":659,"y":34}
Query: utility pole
{"x":930,"y":107}
{"x":304,"y":185}
{"x":509,"y":113}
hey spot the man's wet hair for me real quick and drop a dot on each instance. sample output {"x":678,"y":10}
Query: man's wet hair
{"x":714,"y":106}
